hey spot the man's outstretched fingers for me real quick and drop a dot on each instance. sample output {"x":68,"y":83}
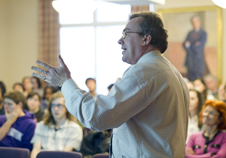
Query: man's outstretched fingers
{"x":47,"y":66}
{"x":39,"y":70}
{"x":43,"y":77}
{"x":61,"y":61}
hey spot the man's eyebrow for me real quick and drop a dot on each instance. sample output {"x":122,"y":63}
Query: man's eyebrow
{"x":126,"y":29}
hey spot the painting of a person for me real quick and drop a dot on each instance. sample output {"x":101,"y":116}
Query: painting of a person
{"x":194,"y":47}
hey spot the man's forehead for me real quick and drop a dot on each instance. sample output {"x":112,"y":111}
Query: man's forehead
{"x":132,"y":24}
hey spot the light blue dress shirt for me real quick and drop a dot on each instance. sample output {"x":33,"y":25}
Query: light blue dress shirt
{"x":147,"y":110}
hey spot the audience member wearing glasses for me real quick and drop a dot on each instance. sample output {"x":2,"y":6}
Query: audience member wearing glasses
{"x":17,"y":126}
{"x":58,"y":130}
{"x":195,"y":106}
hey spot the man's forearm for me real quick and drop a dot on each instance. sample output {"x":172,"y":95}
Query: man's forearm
{"x":5,"y":129}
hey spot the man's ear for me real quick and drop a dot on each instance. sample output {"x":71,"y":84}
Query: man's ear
{"x":146,"y":40}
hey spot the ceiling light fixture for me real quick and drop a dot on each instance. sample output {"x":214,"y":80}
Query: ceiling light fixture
{"x":220,"y":3}
{"x":75,"y":6}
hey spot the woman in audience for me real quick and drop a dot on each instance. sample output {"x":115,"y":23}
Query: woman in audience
{"x":211,"y":142}
{"x":33,"y":105}
{"x":27,"y":85}
{"x":19,"y":87}
{"x":37,"y":86}
{"x":190,"y":85}
{"x":48,"y":92}
{"x":195,"y":106}
{"x":201,"y":87}
{"x":222,"y":92}
{"x":2,"y":92}
{"x":58,"y":130}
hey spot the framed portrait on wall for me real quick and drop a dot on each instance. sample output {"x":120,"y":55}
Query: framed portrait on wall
{"x":195,"y":40}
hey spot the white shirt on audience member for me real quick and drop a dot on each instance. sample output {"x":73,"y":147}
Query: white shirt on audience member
{"x":69,"y":134}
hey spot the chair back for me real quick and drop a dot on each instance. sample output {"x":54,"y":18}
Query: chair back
{"x":11,"y":152}
{"x":59,"y":154}
{"x":101,"y":156}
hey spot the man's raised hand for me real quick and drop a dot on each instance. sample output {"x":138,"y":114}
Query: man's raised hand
{"x":54,"y":75}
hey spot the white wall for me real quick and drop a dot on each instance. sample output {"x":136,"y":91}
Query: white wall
{"x":199,"y":3}
{"x":224,"y":45}
{"x":3,"y":40}
{"x":19,"y":48}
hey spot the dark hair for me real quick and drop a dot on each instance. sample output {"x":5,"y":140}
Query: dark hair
{"x":20,"y":84}
{"x":220,"y":106}
{"x":204,"y":93}
{"x":38,"y":81}
{"x":110,"y":86}
{"x":153,"y":25}
{"x":200,"y":103}
{"x":90,"y":79}
{"x":32,"y":93}
{"x":54,"y":90}
{"x":2,"y":87}
{"x":16,"y":96}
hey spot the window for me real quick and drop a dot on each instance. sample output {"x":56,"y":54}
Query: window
{"x":89,"y":44}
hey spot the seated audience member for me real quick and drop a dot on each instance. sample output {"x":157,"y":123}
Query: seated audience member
{"x":211,"y":142}
{"x":201,"y":87}
{"x":57,"y":131}
{"x":96,"y":142}
{"x":195,"y":106}
{"x":37,"y":85}
{"x":190,"y":85}
{"x":212,"y":84}
{"x":91,"y":84}
{"x":109,"y":87}
{"x":2,"y":92}
{"x":27,"y":85}
{"x":222,"y":92}
{"x":17,"y":125}
{"x":48,"y":92}
{"x":19,"y":87}
{"x":33,"y":105}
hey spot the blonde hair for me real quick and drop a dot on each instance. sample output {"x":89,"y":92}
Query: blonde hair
{"x":48,"y":117}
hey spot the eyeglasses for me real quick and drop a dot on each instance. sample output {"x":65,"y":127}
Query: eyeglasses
{"x":60,"y":106}
{"x":125,"y":33}
{"x":8,"y":104}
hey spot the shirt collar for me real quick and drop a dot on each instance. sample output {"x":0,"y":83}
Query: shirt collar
{"x":62,"y":126}
{"x":149,"y":55}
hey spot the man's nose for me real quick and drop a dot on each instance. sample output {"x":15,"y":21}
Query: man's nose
{"x":120,"y":41}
